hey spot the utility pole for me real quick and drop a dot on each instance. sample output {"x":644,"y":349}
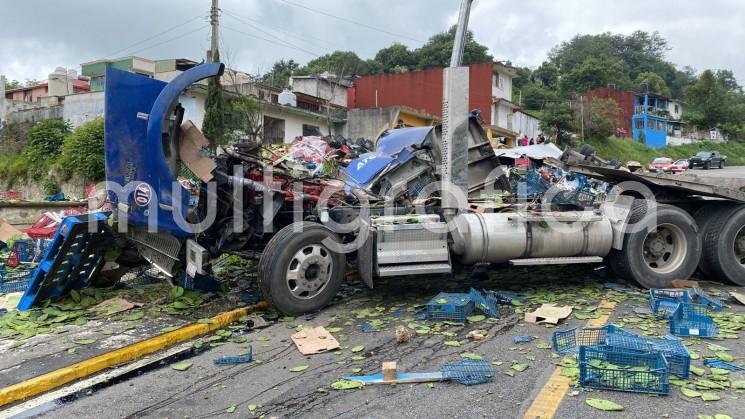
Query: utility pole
{"x":582,"y":116}
{"x":215,"y":22}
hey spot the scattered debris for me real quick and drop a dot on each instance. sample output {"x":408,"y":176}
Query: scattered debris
{"x":684,"y":283}
{"x":315,"y":340}
{"x":719,"y":363}
{"x":182,"y":366}
{"x":233,"y":360}
{"x":606,"y":405}
{"x":113,"y":306}
{"x":548,"y":313}
{"x":522,"y":339}
{"x":403,"y":334}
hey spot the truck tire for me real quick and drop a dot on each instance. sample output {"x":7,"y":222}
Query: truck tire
{"x":672,"y":250}
{"x":297,"y":273}
{"x":724,"y":245}
{"x":707,"y":165}
{"x":703,"y":218}
{"x":721,"y":164}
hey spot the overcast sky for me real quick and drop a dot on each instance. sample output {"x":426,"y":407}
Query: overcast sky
{"x":36,"y":36}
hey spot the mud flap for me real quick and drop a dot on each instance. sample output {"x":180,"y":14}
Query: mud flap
{"x":366,"y":259}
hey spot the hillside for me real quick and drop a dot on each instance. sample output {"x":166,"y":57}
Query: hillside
{"x":625,"y":149}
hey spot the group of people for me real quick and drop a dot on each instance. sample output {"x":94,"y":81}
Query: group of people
{"x":523,"y":140}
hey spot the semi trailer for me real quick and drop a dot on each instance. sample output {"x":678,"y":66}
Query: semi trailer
{"x":413,"y":206}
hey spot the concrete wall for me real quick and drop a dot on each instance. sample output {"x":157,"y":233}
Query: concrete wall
{"x":35,"y":115}
{"x":324,"y":89}
{"x":30,"y":191}
{"x":369,"y":123}
{"x":24,"y":214}
{"x":83,"y":107}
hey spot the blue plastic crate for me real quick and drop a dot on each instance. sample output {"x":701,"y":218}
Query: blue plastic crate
{"x":700,"y":297}
{"x":30,"y":250}
{"x":468,"y":371}
{"x":610,"y":368}
{"x":15,"y":280}
{"x":485,"y":302}
{"x":450,"y":306}
{"x":692,"y":320}
{"x":663,"y":302}
{"x":673,"y":349}
{"x":568,"y":341}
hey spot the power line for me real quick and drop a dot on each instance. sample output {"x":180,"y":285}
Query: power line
{"x":275,"y":39}
{"x":272,"y":41}
{"x":364,"y":25}
{"x":154,"y":36}
{"x":170,"y":39}
{"x":303,"y":37}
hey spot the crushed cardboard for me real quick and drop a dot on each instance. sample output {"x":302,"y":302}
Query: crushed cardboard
{"x":190,"y":151}
{"x":548,"y":313}
{"x":315,"y":340}
{"x":685,"y":283}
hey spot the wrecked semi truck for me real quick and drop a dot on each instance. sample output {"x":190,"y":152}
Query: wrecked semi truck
{"x":390,"y":212}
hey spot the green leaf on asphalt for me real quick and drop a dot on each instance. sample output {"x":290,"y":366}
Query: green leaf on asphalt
{"x":334,"y":329}
{"x":230,"y":409}
{"x":719,"y":371}
{"x":84,"y":341}
{"x":606,"y":405}
{"x":346,"y":384}
{"x":451,"y":343}
{"x":722,"y":416}
{"x":469,"y":355}
{"x":358,"y":348}
{"x":705,"y":417}
{"x":252,"y":408}
{"x":75,"y":296}
{"x":738,"y":385}
{"x":71,"y":351}
{"x":357,"y":357}
{"x":299,"y":368}
{"x":709,"y":397}
{"x":356,"y":370}
{"x":181,"y":366}
{"x":135,"y":315}
{"x":698,"y":371}
{"x":724,"y":356}
{"x":519,"y":367}
{"x":476,"y":318}
{"x":543,"y":345}
{"x":206,"y":320}
{"x":690,"y":393}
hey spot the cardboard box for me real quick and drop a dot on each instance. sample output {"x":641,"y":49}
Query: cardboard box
{"x":191,"y":153}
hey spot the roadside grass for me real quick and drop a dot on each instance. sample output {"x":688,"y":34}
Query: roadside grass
{"x":625,"y":149}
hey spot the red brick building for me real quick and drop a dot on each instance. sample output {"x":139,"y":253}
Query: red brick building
{"x":490,"y":90}
{"x":625,"y":101}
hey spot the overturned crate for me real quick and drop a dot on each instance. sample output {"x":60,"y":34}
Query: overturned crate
{"x":611,"y":368}
{"x":663,"y":302}
{"x":14,"y":280}
{"x":568,"y":341}
{"x":673,"y":349}
{"x":451,"y":307}
{"x":693,"y":320}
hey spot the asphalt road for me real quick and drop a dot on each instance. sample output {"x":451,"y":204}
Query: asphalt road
{"x":728,"y":171}
{"x":272,"y":390}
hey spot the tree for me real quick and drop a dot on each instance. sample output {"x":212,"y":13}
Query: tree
{"x":244,"y":118}
{"x":12,"y":84}
{"x":536,"y":96}
{"x":44,"y":144}
{"x":83,"y":152}
{"x":655,"y":83}
{"x":593,"y":73}
{"x":279,"y":75}
{"x":341,"y":63}
{"x":547,"y":75}
{"x":728,"y":81}
{"x":707,"y":102}
{"x":396,"y":58}
{"x":558,"y":120}
{"x":213,"y":125}
{"x":436,"y":52}
{"x":600,"y":117}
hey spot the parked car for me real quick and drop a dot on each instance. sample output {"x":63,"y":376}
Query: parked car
{"x":707,"y":160}
{"x":660,"y":164}
{"x":679,"y":166}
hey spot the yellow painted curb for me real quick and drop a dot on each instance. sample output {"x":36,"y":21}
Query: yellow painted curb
{"x":549,"y":398}
{"x":57,"y":378}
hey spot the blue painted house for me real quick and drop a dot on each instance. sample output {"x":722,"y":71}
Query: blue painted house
{"x":651,"y":119}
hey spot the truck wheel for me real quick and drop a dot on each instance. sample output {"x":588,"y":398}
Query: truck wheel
{"x":297,"y":273}
{"x":724,"y":245}
{"x":671,"y":250}
{"x":707,"y":165}
{"x":704,"y":217}
{"x":721,"y":164}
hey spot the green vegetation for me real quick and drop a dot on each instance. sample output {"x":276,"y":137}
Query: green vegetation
{"x":625,"y":149}
{"x":397,"y":58}
{"x":53,"y":152}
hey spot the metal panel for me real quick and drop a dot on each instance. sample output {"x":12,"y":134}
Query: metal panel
{"x":454,"y":145}
{"x":556,"y":261}
{"x":418,"y":269}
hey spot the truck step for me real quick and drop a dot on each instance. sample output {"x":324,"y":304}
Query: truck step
{"x":556,"y":261}
{"x":415,"y":269}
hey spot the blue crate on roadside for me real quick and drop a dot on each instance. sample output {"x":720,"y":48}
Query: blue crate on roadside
{"x":692,"y":320}
{"x":485,"y":302}
{"x":700,"y":297}
{"x":568,"y":341}
{"x":450,"y":306}
{"x":663,"y":302}
{"x":15,"y":280}
{"x":610,"y":368}
{"x":673,"y":349}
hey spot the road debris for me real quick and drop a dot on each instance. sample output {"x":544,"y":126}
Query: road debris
{"x":314,"y":340}
{"x":233,"y":360}
{"x":403,"y":334}
{"x":548,"y":313}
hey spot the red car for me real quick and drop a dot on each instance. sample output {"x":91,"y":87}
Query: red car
{"x":661,"y":164}
{"x":679,"y":166}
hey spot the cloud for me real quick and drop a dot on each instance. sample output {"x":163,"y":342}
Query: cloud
{"x":40,"y":35}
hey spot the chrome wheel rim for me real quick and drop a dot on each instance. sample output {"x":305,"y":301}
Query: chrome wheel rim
{"x":309,"y":271}
{"x":665,"y":248}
